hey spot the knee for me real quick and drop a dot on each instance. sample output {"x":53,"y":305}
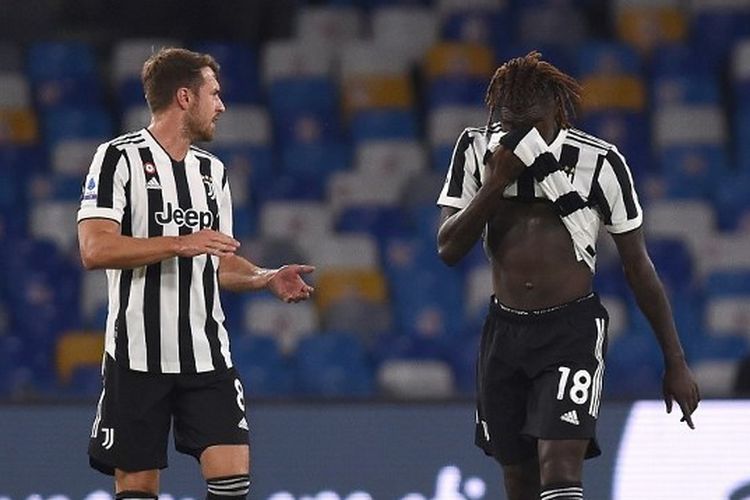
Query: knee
{"x":559,"y":463}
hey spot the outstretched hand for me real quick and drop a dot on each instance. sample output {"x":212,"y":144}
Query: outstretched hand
{"x":287,"y":283}
{"x":680,"y":386}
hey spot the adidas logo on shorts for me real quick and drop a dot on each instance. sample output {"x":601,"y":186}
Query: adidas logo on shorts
{"x":243,"y":424}
{"x":570,"y":417}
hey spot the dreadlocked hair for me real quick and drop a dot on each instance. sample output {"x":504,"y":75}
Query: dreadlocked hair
{"x":526,"y":81}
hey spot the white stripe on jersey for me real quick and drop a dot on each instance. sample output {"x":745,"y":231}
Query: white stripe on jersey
{"x":134,"y":181}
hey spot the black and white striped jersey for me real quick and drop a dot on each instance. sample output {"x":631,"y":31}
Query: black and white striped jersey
{"x":164,"y":317}
{"x":595,"y":167}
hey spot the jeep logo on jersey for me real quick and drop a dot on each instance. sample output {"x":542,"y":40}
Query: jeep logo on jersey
{"x":191,"y":218}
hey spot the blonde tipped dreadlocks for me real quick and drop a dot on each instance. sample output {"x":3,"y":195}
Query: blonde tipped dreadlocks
{"x":521,"y":86}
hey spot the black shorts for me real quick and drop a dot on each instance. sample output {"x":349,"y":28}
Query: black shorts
{"x":136,"y":409}
{"x":539,"y":376}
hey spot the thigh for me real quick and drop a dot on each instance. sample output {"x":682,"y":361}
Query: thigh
{"x":210,"y":410}
{"x":566,"y":393}
{"x":131,"y":427}
{"x":502,"y":394}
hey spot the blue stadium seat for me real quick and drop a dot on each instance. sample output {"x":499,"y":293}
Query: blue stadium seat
{"x":607,"y":57}
{"x":76,"y":123}
{"x":304,"y":110}
{"x":634,"y":368}
{"x":382,"y":222}
{"x":130,"y":93}
{"x":685,"y":89}
{"x":630,"y":132}
{"x":554,"y":54}
{"x":333,"y":364}
{"x":725,"y":347}
{"x":691,"y":171}
{"x":443,"y":91}
{"x":64,"y":74}
{"x":239,"y":74}
{"x":673,"y":262}
{"x":714,"y":31}
{"x":731,"y":198}
{"x":463,"y":358}
{"x":289,"y":187}
{"x":383,"y":124}
{"x":742,"y":137}
{"x":726,"y":283}
{"x":85,"y":382}
{"x":257,"y":159}
{"x":679,"y":59}
{"x":314,"y":163}
{"x":488,"y":27}
{"x":264,"y":370}
{"x":53,"y":60}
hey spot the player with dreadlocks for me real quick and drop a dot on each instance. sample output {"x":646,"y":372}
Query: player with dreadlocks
{"x":536,"y":190}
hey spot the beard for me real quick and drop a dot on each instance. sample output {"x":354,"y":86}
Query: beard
{"x":199,"y":130}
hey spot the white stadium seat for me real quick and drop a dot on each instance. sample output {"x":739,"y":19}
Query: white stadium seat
{"x":129,"y":55}
{"x":346,"y":189}
{"x":391,"y":157}
{"x":410,"y":29}
{"x":416,"y":379}
{"x":135,"y":118}
{"x":350,"y":251}
{"x":447,"y":122}
{"x":73,"y":156}
{"x":333,"y":26}
{"x":15,"y":91}
{"x":287,"y":323}
{"x":729,"y":315}
{"x":677,"y":124}
{"x":366,"y":58}
{"x":248,"y":125}
{"x":296,"y":220}
{"x":294,"y":58}
{"x":55,"y":221}
{"x":716,"y":377}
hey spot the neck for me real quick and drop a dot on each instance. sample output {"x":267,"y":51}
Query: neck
{"x":548,"y":131}
{"x":169,"y":132}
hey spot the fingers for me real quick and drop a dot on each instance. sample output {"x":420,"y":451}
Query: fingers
{"x":668,"y":402}
{"x":686,"y":415}
{"x":305,"y":269}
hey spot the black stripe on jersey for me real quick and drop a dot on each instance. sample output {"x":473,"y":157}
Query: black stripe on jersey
{"x":198,"y":150}
{"x":121,"y":324}
{"x":185,"y":275}
{"x":132,"y":141}
{"x":578,"y":133}
{"x":477,"y":173}
{"x":458,"y":163}
{"x":152,"y":290}
{"x":569,"y":159}
{"x":525,"y":185}
{"x":569,"y":202}
{"x":596,"y":196}
{"x":212,"y":327}
{"x":105,"y":192}
{"x":544,"y":165}
{"x":621,"y":172}
{"x":586,"y":142}
{"x":125,"y":138}
{"x":126,"y":280}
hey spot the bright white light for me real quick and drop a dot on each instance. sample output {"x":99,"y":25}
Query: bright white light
{"x":474,"y":488}
{"x":662,"y":458}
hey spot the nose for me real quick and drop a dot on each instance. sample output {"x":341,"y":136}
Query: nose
{"x":220,"y":106}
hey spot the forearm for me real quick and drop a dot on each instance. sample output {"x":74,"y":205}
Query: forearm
{"x":653,"y":302}
{"x":459,"y":232}
{"x":238,"y":274}
{"x":114,"y":251}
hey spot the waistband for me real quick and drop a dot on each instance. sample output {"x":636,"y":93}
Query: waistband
{"x":520,"y":315}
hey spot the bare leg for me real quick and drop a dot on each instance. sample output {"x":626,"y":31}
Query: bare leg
{"x":522,"y":480}
{"x":145,"y":481}
{"x":561,"y":461}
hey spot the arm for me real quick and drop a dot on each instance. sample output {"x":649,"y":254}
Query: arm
{"x":238,"y":274}
{"x":678,"y":384}
{"x":103,"y":247}
{"x":460,"y":229}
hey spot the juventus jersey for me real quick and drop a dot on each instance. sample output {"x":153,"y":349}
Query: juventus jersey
{"x":164,"y":317}
{"x":595,"y":167}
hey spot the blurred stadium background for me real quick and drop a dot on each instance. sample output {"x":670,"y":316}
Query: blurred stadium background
{"x":341,"y":121}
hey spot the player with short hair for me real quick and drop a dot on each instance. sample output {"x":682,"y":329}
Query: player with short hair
{"x":156,"y":213}
{"x":536,"y":191}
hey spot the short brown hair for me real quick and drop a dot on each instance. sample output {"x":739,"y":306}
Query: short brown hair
{"x":170,"y":69}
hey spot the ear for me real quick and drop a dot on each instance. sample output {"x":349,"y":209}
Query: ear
{"x":183,"y":96}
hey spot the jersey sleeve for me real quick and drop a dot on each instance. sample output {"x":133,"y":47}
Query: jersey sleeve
{"x":463,"y":178}
{"x":225,"y":206}
{"x":103,"y":190}
{"x":620,"y":208}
